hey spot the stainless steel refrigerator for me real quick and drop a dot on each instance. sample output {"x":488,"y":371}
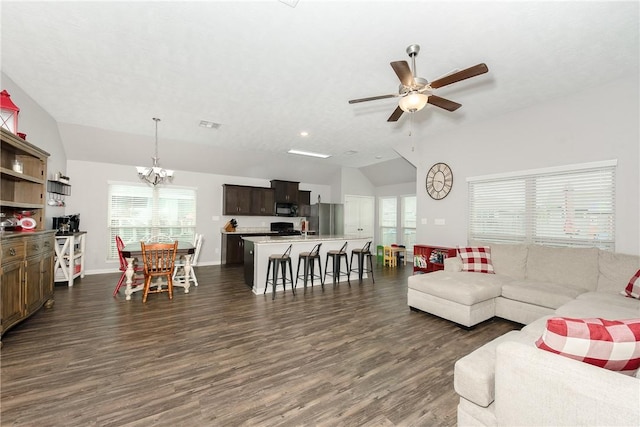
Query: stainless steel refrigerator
{"x":327,"y":219}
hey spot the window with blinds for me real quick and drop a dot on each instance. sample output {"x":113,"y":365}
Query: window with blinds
{"x":139,"y":211}
{"x":566,"y":206}
{"x":388,"y":220}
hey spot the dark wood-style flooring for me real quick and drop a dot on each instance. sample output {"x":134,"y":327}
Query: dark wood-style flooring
{"x":222,"y":356}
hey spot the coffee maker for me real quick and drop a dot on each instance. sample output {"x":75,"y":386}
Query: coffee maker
{"x":67,"y":224}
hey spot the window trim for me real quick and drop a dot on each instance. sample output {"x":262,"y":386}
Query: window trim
{"x":543,"y":171}
{"x":154,"y":225}
{"x":531,"y":178}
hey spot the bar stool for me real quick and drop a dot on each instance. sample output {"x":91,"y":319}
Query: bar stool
{"x":336,"y":272}
{"x":280,"y":261}
{"x":364,"y":252}
{"x":309,"y":258}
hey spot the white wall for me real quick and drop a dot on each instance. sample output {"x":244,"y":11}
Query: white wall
{"x":589,"y":126}
{"x":353,"y":182}
{"x":405,"y":189}
{"x":42,"y":131}
{"x":89,"y":199}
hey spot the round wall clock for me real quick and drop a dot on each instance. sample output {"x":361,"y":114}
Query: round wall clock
{"x":439,"y":181}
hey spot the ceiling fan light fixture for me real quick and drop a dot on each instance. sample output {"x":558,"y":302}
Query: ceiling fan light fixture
{"x":413,"y":101}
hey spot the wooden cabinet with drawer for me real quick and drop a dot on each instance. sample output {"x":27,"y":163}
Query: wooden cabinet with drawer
{"x":26,"y":268}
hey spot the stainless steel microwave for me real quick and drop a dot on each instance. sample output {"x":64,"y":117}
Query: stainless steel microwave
{"x":286,"y":209}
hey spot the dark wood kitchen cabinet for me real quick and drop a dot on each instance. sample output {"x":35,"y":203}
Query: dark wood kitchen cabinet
{"x":232,"y":248}
{"x":304,"y":203}
{"x":263,"y":201}
{"x":236,"y":200}
{"x":286,"y":191}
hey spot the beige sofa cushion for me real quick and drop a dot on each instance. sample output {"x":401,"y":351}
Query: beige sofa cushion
{"x":613,"y":299}
{"x":594,"y":307}
{"x":540,"y":293}
{"x":573,"y":267}
{"x":474,"y":373}
{"x":507,"y":259}
{"x":463,"y":287}
{"x":616,"y":270}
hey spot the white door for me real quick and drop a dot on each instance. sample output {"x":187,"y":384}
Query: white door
{"x":359,"y":215}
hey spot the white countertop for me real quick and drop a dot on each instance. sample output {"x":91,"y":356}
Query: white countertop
{"x":309,"y":238}
{"x":248,"y":230}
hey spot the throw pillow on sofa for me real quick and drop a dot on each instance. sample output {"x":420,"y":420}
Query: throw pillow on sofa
{"x":633,"y":288}
{"x":476,"y":258}
{"x":609,"y":344}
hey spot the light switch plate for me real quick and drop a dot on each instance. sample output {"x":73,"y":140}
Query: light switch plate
{"x":423,"y":221}
{"x":439,"y":221}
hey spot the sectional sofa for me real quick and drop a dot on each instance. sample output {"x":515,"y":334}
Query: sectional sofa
{"x":510,"y":381}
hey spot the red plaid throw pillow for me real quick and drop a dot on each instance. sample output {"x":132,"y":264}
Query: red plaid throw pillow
{"x":476,"y":259}
{"x":633,"y":288}
{"x":609,"y":344}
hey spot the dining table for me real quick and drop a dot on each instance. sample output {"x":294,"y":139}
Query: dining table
{"x":132,"y":251}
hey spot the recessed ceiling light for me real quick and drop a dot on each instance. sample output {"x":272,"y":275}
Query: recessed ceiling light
{"x":309,"y":153}
{"x":350,"y":152}
{"x":209,"y":125}
{"x":378,"y":157}
{"x":304,"y":133}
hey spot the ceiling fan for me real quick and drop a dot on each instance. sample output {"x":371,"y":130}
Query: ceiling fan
{"x":416,"y":92}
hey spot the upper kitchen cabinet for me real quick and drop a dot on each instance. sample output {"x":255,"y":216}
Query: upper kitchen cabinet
{"x":286,"y":191}
{"x":263,"y":201}
{"x":245,"y":200}
{"x":236,"y":200}
{"x":304,"y":203}
{"x":23,"y":174}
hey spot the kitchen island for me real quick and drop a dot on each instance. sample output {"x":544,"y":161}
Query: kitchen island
{"x":257,"y":250}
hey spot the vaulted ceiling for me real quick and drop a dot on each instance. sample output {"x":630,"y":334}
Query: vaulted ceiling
{"x":266,"y":71}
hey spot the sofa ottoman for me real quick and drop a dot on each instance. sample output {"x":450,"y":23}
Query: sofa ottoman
{"x":452,"y":296}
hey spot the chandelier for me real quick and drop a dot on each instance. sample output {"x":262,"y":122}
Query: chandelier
{"x":155,"y":175}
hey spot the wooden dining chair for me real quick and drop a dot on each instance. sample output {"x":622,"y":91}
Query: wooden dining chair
{"x":137,"y":278}
{"x":158,"y":260}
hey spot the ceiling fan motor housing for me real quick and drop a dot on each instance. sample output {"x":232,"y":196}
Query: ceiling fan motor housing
{"x":420,"y":85}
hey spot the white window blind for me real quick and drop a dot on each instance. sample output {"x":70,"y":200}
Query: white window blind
{"x":566,"y":206}
{"x":139,"y":211}
{"x":388,"y":220}
{"x":409,"y":208}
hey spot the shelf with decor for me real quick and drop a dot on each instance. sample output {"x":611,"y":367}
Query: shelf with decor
{"x":430,"y":258}
{"x":59,"y":187}
{"x":69,"y":260}
{"x":23,"y":172}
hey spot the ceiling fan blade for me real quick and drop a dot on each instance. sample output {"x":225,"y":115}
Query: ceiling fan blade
{"x":404,"y":73}
{"x":372,"y":98}
{"x":476,"y":70}
{"x":395,"y":115}
{"x":443,"y":103}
